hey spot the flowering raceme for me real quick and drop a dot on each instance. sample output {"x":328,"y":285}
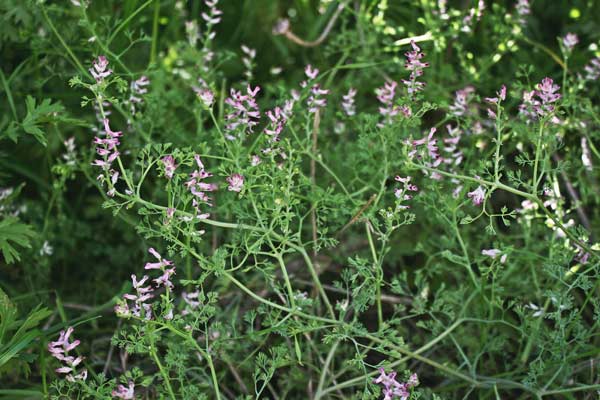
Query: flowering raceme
{"x":392,"y":389}
{"x":98,"y":70}
{"x":315,"y":100}
{"x":198,"y":187}
{"x":60,"y":350}
{"x":415,"y":66}
{"x":244,"y":111}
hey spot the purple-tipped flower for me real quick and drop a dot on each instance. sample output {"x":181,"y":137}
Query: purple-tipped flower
{"x":477,"y":196}
{"x":277,"y":120}
{"x":311,"y":73}
{"x":392,"y":389}
{"x":206,"y":96}
{"x":60,"y":350}
{"x":236,"y":183}
{"x":125,"y":392}
{"x":592,"y":70}
{"x":198,"y":187}
{"x":213,"y":17}
{"x":402,"y":193}
{"x":138,"y":88}
{"x":415,"y":66}
{"x":386,"y":96}
{"x":570,"y":41}
{"x":316,"y":100}
{"x":140,"y":308}
{"x":523,"y":10}
{"x":162,"y":262}
{"x":493,"y":253}
{"x":501,"y":96}
{"x":348,"y":102}
{"x":169,"y":165}
{"x":461,"y":101}
{"x":98,"y":70}
{"x":244,"y":110}
{"x":546,"y":94}
{"x":429,"y":142}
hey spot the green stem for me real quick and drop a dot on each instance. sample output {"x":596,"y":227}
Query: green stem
{"x":155,"y":31}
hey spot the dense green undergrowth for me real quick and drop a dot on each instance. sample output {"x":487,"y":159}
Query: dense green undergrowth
{"x":350,"y":199}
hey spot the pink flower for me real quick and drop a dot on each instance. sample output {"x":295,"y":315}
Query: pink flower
{"x":386,"y":95}
{"x":206,"y":96}
{"x":493,"y":253}
{"x":126,"y":393}
{"x":415,"y":66}
{"x":198,"y":188}
{"x":311,"y":72}
{"x":98,"y":70}
{"x":213,"y":17}
{"x":165,"y":278}
{"x":461,"y":101}
{"x":348,"y":102}
{"x":477,"y":195}
{"x":140,"y":308}
{"x":570,"y":41}
{"x":277,"y":120}
{"x":546,"y":92}
{"x":245,"y":112}
{"x":169,"y":165}
{"x":161,"y":264}
{"x":430,"y":142}
{"x":523,"y":9}
{"x":392,"y":389}
{"x":60,"y":349}
{"x":236,"y":183}
{"x":593,"y":69}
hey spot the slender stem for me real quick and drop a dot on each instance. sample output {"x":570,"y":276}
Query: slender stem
{"x":538,"y":151}
{"x":164,"y":373}
{"x":155,"y":31}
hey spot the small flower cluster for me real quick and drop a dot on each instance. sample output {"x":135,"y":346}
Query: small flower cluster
{"x":462,"y":98}
{"x":569,"y":42}
{"x":199,"y":188}
{"x":138,"y":88}
{"x":415,"y":66}
{"x":60,"y":350}
{"x":140,"y":307}
{"x":99,"y":69}
{"x":494,"y":253}
{"x":523,"y":10}
{"x":542,"y":107}
{"x":392,"y":389}
{"x":107,"y":149}
{"x":474,"y":13}
{"x":315,"y":100}
{"x":214,"y":15}
{"x":386,"y":95}
{"x":244,"y":113}
{"x":248,"y":61}
{"x":348,"y":102}
{"x":477,"y":196}
{"x":496,"y":100}
{"x":402,"y":193}
{"x":125,"y":392}
{"x":277,"y":119}
{"x":592,"y":70}
{"x":169,"y":165}
{"x":236,"y":183}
